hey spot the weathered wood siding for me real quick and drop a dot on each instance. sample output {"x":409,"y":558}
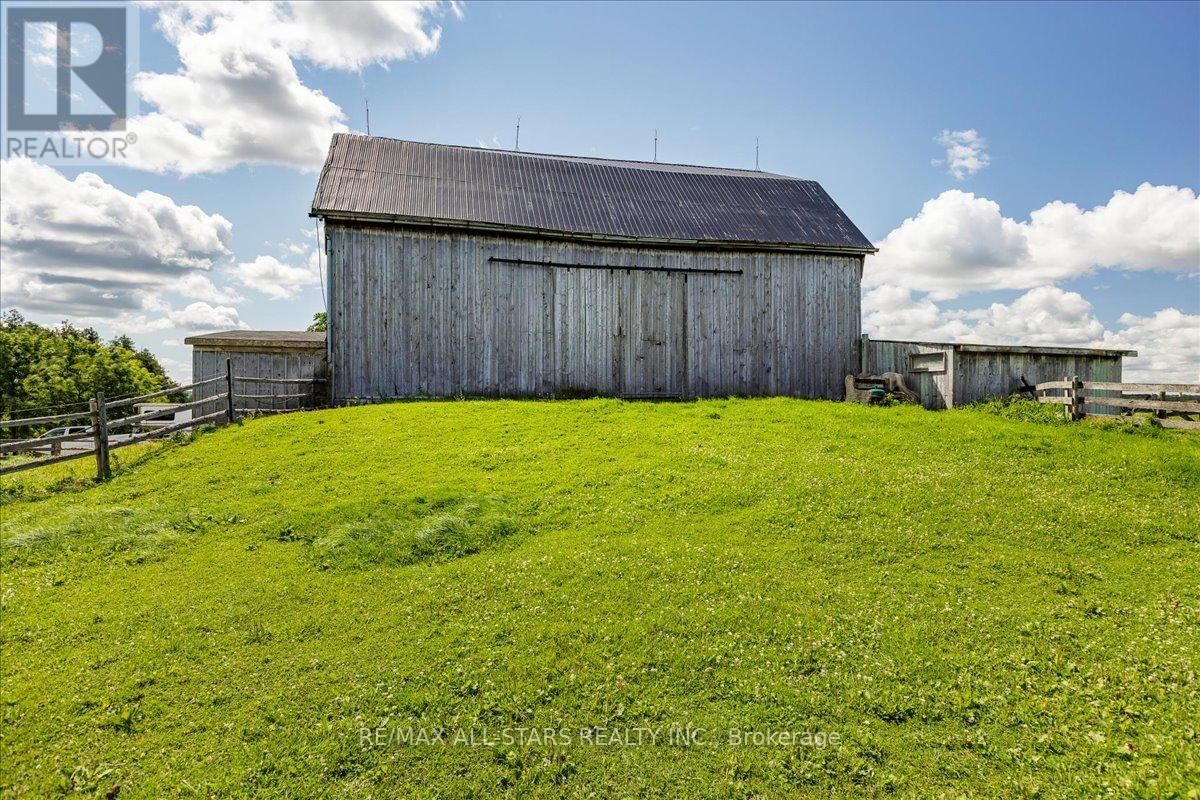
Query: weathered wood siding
{"x":936,"y":389}
{"x":423,"y":313}
{"x":983,"y":375}
{"x":971,"y":376}
{"x":297,"y":363}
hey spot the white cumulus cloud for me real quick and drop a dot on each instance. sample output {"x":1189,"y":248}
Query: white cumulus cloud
{"x":198,"y":316}
{"x":237,"y":96}
{"x":1168,"y":345}
{"x":966,"y":152}
{"x":354,"y":35}
{"x":960,"y":242}
{"x":83,"y":248}
{"x":1046,"y":315}
{"x":272,"y":277}
{"x":891,"y":312}
{"x":202,"y":316}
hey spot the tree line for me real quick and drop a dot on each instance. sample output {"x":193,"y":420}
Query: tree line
{"x":53,"y":369}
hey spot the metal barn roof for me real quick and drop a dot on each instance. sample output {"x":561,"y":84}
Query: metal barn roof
{"x":372,"y":178}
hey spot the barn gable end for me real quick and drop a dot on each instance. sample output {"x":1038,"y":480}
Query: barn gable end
{"x":455,"y":271}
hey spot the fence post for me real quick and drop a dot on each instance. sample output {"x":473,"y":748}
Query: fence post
{"x":229,"y":395}
{"x":100,"y":432}
{"x":1076,"y":402}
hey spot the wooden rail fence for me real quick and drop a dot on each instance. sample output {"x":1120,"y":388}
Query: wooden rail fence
{"x":100,"y":429}
{"x":1174,"y":405}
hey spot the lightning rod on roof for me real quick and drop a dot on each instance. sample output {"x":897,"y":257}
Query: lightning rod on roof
{"x":656,"y":144}
{"x":517,"y":147}
{"x":367,"y":104}
{"x":756,"y":154}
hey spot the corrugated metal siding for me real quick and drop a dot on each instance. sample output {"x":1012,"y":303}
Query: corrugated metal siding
{"x":392,"y":178}
{"x":419,"y":313}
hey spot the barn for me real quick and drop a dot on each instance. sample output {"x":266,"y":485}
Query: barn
{"x":459,"y":271}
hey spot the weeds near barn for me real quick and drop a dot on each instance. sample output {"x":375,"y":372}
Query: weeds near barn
{"x":1029,"y":410}
{"x":976,"y":605}
{"x":1022,"y":409}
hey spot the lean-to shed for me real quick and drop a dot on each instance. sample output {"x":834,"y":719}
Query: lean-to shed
{"x":947,"y":374}
{"x":296,"y":359}
{"x":462,"y":271}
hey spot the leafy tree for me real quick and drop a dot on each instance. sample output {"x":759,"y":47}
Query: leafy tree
{"x":320,"y":322}
{"x":48,"y":368}
{"x":148,"y":359}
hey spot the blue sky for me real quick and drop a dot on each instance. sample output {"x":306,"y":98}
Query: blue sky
{"x":1072,"y":103}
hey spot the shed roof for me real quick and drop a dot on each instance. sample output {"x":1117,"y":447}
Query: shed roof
{"x":1038,"y":350}
{"x":372,"y":178}
{"x":260,"y":340}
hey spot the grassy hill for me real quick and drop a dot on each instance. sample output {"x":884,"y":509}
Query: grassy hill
{"x":950,"y":604}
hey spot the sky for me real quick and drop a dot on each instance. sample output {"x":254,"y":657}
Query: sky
{"x":1028,"y":171}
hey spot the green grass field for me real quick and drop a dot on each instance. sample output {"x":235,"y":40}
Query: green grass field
{"x":933,"y":604}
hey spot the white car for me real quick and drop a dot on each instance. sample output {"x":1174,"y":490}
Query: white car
{"x":75,"y":445}
{"x":71,"y":446}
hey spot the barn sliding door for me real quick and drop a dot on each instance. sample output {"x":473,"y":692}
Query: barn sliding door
{"x":518,"y":360}
{"x":651,"y":337}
